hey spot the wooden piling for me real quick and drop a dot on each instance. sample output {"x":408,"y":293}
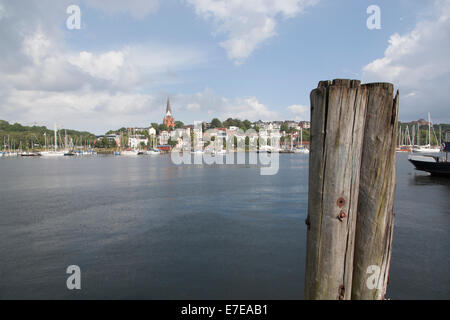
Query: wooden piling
{"x":375,"y":216}
{"x":337,"y":125}
{"x":346,"y":119}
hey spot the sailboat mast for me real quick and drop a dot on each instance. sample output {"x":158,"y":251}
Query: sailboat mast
{"x":429,"y":129}
{"x":301,"y":137}
{"x":418,"y":135}
{"x":56,"y":139}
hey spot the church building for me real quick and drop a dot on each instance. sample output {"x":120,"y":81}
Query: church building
{"x":168,"y":120}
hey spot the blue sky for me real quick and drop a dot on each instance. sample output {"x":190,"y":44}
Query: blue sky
{"x":255,"y":59}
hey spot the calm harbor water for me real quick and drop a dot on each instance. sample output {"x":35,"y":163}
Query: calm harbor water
{"x":144,"y":228}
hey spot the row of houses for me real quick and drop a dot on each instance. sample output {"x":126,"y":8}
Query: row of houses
{"x":276,"y":125}
{"x":137,"y":138}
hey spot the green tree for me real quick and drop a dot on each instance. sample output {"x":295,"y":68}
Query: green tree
{"x":179,"y":124}
{"x":162,"y":127}
{"x":215,"y":123}
{"x":247,"y":124}
{"x":172,"y":143}
{"x":284,"y":127}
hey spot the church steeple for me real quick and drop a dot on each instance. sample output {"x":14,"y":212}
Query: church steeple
{"x":168,"y":120}
{"x":168,"y":109}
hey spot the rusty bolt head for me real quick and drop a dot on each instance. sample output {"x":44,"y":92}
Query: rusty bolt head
{"x":341,"y":292}
{"x":341,"y":202}
{"x":342,"y":215}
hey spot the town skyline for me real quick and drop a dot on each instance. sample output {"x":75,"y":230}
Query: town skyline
{"x":118,"y":68}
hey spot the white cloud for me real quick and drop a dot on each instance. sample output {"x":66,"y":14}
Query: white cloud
{"x":193,"y":106}
{"x":2,"y":11}
{"x":99,"y":111}
{"x":85,"y":110}
{"x":298,"y":109}
{"x":418,"y":63}
{"x":205,"y":105}
{"x":248,"y":108}
{"x":52,"y":68}
{"x":247,"y":23}
{"x":138,"y":9}
{"x":300,"y":112}
{"x":104,"y":66}
{"x":42,"y":80}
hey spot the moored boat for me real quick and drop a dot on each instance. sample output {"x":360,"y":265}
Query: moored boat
{"x":426,"y":149}
{"x":129,"y":153}
{"x":435,"y":165}
{"x":153,"y":152}
{"x":30,"y":154}
{"x":302,"y":150}
{"x":69,"y":154}
{"x":52,"y":153}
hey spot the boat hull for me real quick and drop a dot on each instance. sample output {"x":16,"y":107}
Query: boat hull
{"x":435,"y":168}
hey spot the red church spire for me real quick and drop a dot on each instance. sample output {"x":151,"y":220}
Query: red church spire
{"x":168,"y":120}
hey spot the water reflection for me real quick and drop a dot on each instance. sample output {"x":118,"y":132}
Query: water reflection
{"x":420,"y":179}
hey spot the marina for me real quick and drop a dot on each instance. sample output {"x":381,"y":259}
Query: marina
{"x":215,"y":150}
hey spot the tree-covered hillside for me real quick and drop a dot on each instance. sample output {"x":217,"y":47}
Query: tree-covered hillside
{"x":25,"y":136}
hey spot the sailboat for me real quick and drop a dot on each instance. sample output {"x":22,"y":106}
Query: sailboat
{"x":55,"y":152}
{"x":428,"y":148}
{"x":302,"y":148}
{"x":153,"y":150}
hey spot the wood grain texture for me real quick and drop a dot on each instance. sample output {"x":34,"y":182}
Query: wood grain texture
{"x":375,"y":217}
{"x":351,"y":188}
{"x":337,"y":127}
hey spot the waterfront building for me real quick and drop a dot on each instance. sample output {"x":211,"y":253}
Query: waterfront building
{"x":178,"y":133}
{"x":138,"y":130}
{"x":151,"y":131}
{"x":164,"y":137}
{"x":420,"y":122}
{"x":134,"y":141}
{"x":305,"y":124}
{"x":110,"y":138}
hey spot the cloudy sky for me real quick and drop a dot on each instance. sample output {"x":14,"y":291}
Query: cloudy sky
{"x":250,"y":59}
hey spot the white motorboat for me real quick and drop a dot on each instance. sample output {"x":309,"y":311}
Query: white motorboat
{"x":53,"y":153}
{"x":426,"y":149}
{"x":153,"y":152}
{"x":129,"y":153}
{"x":302,"y":150}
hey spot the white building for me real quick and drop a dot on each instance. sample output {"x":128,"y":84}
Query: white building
{"x":164,"y":137}
{"x":151,"y":131}
{"x":178,"y":133}
{"x":305,"y":124}
{"x":134,"y":141}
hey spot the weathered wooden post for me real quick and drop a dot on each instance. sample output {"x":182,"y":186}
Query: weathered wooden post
{"x":352,"y":153}
{"x":375,"y":216}
{"x":337,"y":127}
